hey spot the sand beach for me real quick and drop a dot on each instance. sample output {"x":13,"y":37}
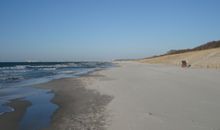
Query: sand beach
{"x":134,"y":96}
{"x":160,"y":97}
{"x":110,"y":65}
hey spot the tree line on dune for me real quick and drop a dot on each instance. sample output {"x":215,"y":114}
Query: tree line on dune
{"x":209,"y":45}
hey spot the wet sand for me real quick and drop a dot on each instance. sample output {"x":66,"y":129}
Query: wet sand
{"x":10,"y":121}
{"x":79,"y":108}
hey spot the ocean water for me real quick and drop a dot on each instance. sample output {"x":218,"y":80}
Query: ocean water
{"x":17,"y":79}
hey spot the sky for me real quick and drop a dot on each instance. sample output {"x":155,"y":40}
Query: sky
{"x":81,"y":30}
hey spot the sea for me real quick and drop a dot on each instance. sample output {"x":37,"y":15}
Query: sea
{"x":18,"y":78}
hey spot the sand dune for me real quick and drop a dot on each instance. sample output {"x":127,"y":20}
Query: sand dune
{"x":203,"y":59}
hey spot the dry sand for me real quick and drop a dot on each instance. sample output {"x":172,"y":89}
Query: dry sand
{"x":160,"y":97}
{"x":200,"y":59}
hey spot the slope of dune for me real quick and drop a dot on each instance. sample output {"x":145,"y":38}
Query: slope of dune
{"x":209,"y":58}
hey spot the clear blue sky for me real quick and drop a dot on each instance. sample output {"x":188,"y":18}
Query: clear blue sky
{"x":52,"y":30}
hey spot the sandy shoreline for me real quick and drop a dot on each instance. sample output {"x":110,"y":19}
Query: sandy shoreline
{"x":10,"y":121}
{"x":80,"y":108}
{"x":137,"y":96}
